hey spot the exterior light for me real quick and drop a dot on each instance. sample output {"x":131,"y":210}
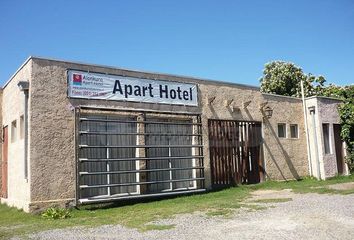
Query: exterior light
{"x":23,"y":85}
{"x":267,"y":112}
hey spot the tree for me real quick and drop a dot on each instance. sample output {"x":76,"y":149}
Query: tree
{"x":284,"y":78}
{"x":346,"y":114}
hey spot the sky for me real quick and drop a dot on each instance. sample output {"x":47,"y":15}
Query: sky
{"x":226,"y":40}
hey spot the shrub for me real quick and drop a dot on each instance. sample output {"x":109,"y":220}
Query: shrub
{"x":56,"y":213}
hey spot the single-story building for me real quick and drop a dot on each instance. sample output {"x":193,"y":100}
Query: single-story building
{"x":76,"y":133}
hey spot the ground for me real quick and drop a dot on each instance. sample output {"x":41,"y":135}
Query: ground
{"x":307,"y":210}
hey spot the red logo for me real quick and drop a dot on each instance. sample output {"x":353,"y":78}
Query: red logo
{"x":77,"y":79}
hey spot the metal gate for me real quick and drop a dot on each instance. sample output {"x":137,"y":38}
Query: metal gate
{"x":235,"y":152}
{"x":128,"y":154}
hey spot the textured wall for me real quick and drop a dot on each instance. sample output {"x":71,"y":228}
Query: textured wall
{"x":1,"y":134}
{"x":285,"y":158}
{"x":12,"y":109}
{"x":326,"y":111}
{"x":51,"y":119}
{"x":52,"y":136}
{"x":314,"y":142}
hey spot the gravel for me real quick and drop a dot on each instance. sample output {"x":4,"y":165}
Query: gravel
{"x":307,"y":216}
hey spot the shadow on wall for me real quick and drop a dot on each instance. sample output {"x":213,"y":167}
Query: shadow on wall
{"x":282,"y":151}
{"x":248,"y":114}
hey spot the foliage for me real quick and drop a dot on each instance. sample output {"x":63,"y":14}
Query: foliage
{"x":346,"y":113}
{"x":284,"y":78}
{"x":56,"y":213}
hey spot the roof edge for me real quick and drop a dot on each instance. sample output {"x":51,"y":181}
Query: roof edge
{"x":323,"y":97}
{"x":277,"y":95}
{"x":150,"y":72}
{"x":19,"y":69}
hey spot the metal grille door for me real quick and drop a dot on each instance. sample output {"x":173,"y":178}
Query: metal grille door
{"x":234,"y":152}
{"x":130,"y":154}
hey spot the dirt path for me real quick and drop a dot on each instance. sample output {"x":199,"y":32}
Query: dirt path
{"x":287,"y":216}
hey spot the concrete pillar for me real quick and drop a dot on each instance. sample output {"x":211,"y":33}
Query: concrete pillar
{"x":141,"y":152}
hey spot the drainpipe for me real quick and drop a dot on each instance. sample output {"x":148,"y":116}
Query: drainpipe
{"x":306,"y":129}
{"x":312,"y":113}
{"x":24,"y":87}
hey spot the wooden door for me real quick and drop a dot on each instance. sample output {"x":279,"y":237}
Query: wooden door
{"x":4,"y":163}
{"x":338,"y":143}
{"x":235,"y":153}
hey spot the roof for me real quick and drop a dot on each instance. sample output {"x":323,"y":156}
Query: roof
{"x":19,"y":69}
{"x":132,"y":70}
{"x":158,"y":73}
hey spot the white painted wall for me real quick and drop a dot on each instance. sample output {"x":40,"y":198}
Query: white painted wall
{"x":12,"y":109}
{"x":326,"y":111}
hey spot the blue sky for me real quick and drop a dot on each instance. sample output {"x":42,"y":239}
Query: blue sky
{"x":226,"y":40}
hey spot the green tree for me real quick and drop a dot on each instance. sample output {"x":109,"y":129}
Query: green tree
{"x":284,"y":78}
{"x":346,"y":113}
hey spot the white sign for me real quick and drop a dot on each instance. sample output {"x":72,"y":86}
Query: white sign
{"x":111,"y":87}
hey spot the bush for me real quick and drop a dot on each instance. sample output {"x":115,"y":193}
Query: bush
{"x":56,"y":213}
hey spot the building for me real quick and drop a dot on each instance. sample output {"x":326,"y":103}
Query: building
{"x":76,"y":133}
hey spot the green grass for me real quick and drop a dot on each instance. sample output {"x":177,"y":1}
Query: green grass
{"x":272,"y":200}
{"x":14,"y":222}
{"x":149,"y":227}
{"x":308,"y":185}
{"x":219,"y":212}
{"x":255,"y":207}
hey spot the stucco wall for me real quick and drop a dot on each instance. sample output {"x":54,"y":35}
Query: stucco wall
{"x":12,"y":109}
{"x":52,"y":133}
{"x":1,"y":134}
{"x":313,"y":132}
{"x":326,"y":111}
{"x":52,"y":121}
{"x":285,"y":158}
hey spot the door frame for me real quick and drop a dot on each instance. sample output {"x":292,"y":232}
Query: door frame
{"x":4,"y":164}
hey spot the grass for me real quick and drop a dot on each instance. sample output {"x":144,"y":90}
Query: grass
{"x":139,"y":215}
{"x":149,"y":227}
{"x":219,"y":212}
{"x":308,"y":185}
{"x":272,"y":200}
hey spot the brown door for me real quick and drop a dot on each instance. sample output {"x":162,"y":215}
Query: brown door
{"x":339,"y":148}
{"x":234,"y":152}
{"x":4,"y":163}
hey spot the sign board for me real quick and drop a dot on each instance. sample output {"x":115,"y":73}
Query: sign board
{"x":112,"y":87}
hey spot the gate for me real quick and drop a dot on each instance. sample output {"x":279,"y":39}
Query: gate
{"x":128,"y":154}
{"x":235,"y":153}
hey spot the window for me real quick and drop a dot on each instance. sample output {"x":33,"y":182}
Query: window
{"x":326,"y":139}
{"x":13,"y":131}
{"x":22,"y":127}
{"x":281,"y":130}
{"x":294,"y":133}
